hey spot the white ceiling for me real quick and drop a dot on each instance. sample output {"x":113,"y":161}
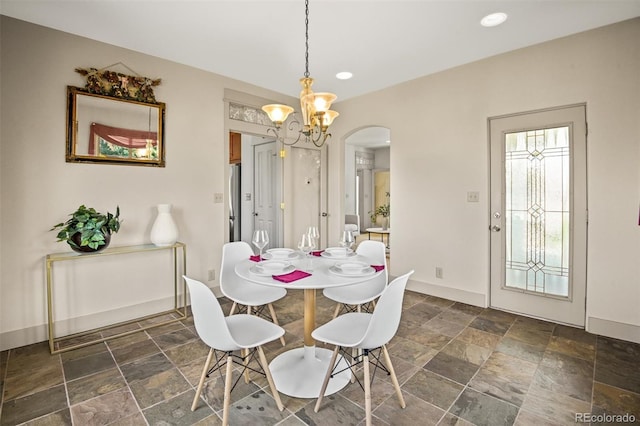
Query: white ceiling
{"x":382,"y":43}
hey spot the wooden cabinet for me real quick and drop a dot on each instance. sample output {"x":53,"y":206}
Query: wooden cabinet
{"x":235,"y":148}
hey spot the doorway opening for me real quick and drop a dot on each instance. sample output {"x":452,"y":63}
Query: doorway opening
{"x":255,"y":188}
{"x":368,"y":180}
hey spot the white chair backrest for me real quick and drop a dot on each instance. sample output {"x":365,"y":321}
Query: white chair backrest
{"x":385,"y":319}
{"x":232,"y":254}
{"x":376,"y":251}
{"x":209,"y":318}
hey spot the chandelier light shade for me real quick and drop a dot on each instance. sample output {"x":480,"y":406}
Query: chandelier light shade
{"x":277,"y":113}
{"x":314,"y":107}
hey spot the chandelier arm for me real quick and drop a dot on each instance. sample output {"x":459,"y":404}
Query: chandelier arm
{"x":275,"y":132}
{"x":294,"y":123}
{"x":294,"y":142}
{"x":295,"y":127}
{"x":324,"y":136}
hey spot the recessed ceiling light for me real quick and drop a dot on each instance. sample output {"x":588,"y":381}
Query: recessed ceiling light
{"x":344,"y":75}
{"x":493,"y":19}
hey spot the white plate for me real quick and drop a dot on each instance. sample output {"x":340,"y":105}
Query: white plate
{"x":338,"y":253}
{"x":362,"y":273}
{"x":257,"y":270}
{"x":272,"y":266}
{"x":351,"y":267}
{"x":280,"y":254}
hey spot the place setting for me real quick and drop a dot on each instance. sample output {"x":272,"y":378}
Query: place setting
{"x":344,"y":251}
{"x":352,"y":268}
{"x":272,"y":267}
{"x":338,"y":253}
{"x":281,"y":254}
{"x":277,"y":262}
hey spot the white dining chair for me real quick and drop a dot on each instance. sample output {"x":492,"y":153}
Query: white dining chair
{"x":358,"y":296}
{"x":244,"y":294}
{"x":241,"y":332}
{"x":366,"y":332}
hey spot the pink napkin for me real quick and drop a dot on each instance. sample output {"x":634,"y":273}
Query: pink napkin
{"x":378,"y":268}
{"x":255,"y":258}
{"x":317,"y":253}
{"x":291,"y":276}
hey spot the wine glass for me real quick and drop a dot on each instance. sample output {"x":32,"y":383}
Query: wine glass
{"x":260,"y":239}
{"x":306,"y":244}
{"x":315,"y":235}
{"x":347,"y":240}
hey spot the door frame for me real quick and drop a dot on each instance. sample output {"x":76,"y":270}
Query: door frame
{"x":579,"y":216}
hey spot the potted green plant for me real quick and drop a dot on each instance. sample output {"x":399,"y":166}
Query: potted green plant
{"x":88,"y":230}
{"x":383,"y":210}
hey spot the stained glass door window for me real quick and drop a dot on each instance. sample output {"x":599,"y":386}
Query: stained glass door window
{"x":537,"y":211}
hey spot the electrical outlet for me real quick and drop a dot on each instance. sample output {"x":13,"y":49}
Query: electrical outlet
{"x":439,"y":272}
{"x":217,"y":197}
{"x":473,"y":197}
{"x":211,"y":276}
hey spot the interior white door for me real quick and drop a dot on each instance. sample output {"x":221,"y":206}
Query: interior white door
{"x":309,"y":188}
{"x":539,"y":214}
{"x":265,"y":187}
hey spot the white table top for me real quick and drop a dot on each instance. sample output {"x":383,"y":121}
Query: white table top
{"x":320,"y":277}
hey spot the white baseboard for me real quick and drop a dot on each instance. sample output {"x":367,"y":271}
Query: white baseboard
{"x":614,"y":329}
{"x":39,"y":333}
{"x":455,"y":294}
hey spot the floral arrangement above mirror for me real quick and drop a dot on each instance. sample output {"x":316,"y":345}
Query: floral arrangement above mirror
{"x":118,"y":85}
{"x":115,"y":119}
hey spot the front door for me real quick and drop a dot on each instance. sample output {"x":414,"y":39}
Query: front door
{"x":539,"y":214}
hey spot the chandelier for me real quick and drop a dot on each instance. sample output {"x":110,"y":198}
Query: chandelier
{"x":314,"y":107}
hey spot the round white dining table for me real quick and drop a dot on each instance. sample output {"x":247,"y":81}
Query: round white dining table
{"x":300,"y":372}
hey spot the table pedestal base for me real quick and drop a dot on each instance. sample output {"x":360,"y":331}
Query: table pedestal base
{"x":300,"y":372}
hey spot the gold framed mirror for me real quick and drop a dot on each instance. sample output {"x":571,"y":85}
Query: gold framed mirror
{"x":104,"y":129}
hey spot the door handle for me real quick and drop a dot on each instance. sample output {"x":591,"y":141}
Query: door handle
{"x":324,"y":214}
{"x":494,"y":228}
{"x":255,"y":214}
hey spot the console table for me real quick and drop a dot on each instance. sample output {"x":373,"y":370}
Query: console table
{"x":179,"y":311}
{"x":382,"y":233}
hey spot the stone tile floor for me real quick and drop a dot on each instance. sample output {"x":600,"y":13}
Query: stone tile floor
{"x":457,"y":365}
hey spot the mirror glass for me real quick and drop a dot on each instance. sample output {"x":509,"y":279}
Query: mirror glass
{"x":102,"y":129}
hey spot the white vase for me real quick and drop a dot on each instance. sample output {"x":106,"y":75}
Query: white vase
{"x":164,"y":231}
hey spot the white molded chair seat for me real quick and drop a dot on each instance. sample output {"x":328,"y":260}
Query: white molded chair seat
{"x":367,"y":291}
{"x":366,"y":332}
{"x":243,"y":292}
{"x":238,"y":332}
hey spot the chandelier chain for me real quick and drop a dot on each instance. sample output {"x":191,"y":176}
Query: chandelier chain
{"x":306,"y":38}
{"x":317,"y":117}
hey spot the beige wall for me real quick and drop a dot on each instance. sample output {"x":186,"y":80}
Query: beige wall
{"x":439,"y":152}
{"x":39,"y":189}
